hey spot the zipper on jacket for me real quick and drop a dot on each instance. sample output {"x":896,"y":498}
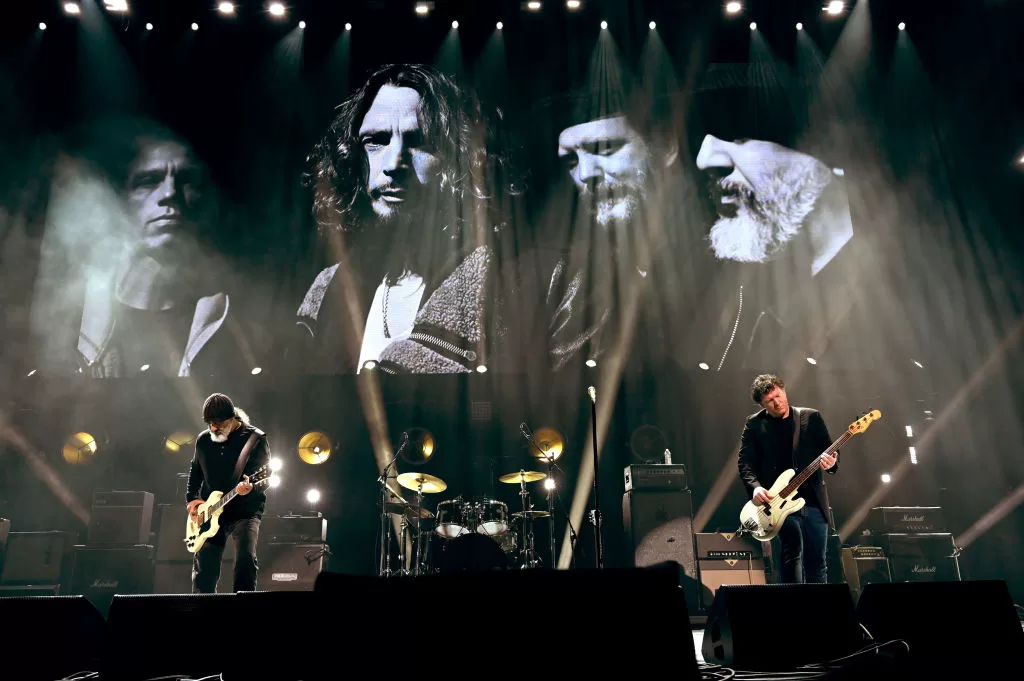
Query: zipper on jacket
{"x":732,"y":336}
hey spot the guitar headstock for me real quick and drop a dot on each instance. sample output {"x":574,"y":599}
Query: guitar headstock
{"x":861,"y":424}
{"x":261,"y":475}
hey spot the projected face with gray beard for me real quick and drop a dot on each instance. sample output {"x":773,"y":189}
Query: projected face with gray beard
{"x":762,"y":192}
{"x":609,"y":163}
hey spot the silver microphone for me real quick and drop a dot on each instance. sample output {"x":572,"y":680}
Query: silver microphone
{"x":401,"y":447}
{"x":592,"y":391}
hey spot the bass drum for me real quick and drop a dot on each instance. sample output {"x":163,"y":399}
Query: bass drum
{"x":470,"y":553}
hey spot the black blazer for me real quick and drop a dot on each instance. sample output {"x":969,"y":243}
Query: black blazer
{"x":757,"y":461}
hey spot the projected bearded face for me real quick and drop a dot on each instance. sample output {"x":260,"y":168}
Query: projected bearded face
{"x":403,"y":165}
{"x":609,"y":164}
{"x":762,"y":192}
{"x":165,"y":194}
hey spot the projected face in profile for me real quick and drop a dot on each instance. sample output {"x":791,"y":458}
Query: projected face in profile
{"x":164,"y":194}
{"x":609,"y":163}
{"x":403,"y":166}
{"x":762,"y":192}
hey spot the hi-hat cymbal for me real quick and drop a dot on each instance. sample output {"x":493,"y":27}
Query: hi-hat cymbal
{"x":522,"y":476}
{"x":431,"y":484}
{"x":408,"y":510}
{"x":531,"y":515}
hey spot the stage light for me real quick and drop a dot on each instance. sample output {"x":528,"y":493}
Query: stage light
{"x":835,"y":7}
{"x":33,"y":372}
{"x":79,"y":448}
{"x":500,"y":25}
{"x":422,"y":8}
{"x":753,"y":25}
{"x":313,"y":496}
{"x":913,"y":455}
{"x":420,"y":446}
{"x":275,"y":481}
{"x":549,"y":483}
{"x":195,"y":26}
{"x":812,"y":361}
{"x":226,"y":8}
{"x":149,"y":27}
{"x":42,"y":27}
{"x":910,"y":431}
{"x":652,"y":25}
{"x":591,"y":363}
{"x":348,"y":27}
{"x":72,"y":8}
{"x":703,"y":366}
{"x":572,"y":4}
{"x":314,"y":447}
{"x":917,"y":364}
{"x":276,"y":9}
{"x":369,"y":365}
{"x":533,"y":6}
{"x":116,"y":5}
{"x":551,"y":444}
{"x":799,"y":26}
{"x":302,"y":24}
{"x":178,"y":440}
{"x":256,"y":371}
{"x":733,"y":7}
{"x":886,"y":478}
{"x":482,"y":369}
{"x":276,"y":464}
{"x":144,"y":367}
{"x":604,"y":25}
{"x":455,"y":24}
{"x":902,"y":26}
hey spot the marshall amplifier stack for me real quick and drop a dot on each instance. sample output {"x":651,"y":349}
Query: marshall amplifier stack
{"x":916,"y":543}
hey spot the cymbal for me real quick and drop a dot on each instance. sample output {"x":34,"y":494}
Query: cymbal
{"x":550,"y":441}
{"x":431,"y":484}
{"x":531,"y":515}
{"x":522,"y":476}
{"x":408,"y":510}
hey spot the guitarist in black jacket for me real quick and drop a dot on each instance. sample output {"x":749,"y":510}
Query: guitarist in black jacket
{"x":216,"y":466}
{"x":774,"y":439}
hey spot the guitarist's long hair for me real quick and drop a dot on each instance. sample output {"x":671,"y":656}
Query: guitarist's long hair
{"x":242,"y":416}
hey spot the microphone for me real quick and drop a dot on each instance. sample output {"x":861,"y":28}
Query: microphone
{"x":401,"y":447}
{"x":592,"y":391}
{"x":525,"y":430}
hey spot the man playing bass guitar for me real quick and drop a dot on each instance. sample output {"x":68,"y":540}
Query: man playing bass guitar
{"x":777,"y":438}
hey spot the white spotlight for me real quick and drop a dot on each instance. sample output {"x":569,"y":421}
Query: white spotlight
{"x":753,"y":25}
{"x":72,"y":8}
{"x":42,"y":26}
{"x":195,"y":26}
{"x":604,"y":25}
{"x":591,"y":363}
{"x":549,"y":483}
{"x":275,"y":481}
{"x":116,"y":5}
{"x":144,"y":367}
{"x":276,"y":8}
{"x":917,"y":364}
{"x":886,"y":478}
{"x":481,"y":369}
{"x":369,"y":365}
{"x":455,"y":24}
{"x":313,"y":496}
{"x":348,"y":27}
{"x":733,"y":7}
{"x":422,"y":8}
{"x":811,"y":360}
{"x":835,"y":7}
{"x":703,"y":366}
{"x":256,"y":371}
{"x":33,"y":372}
{"x":913,"y":455}
{"x":149,"y":27}
{"x":572,"y":4}
{"x":500,"y":25}
{"x":276,"y":464}
{"x":799,"y":26}
{"x":226,"y":8}
{"x":902,"y":26}
{"x":302,"y":24}
{"x":910,"y":431}
{"x":533,"y":6}
{"x":652,"y":25}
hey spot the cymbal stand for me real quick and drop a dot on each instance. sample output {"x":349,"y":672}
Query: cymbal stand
{"x":551,"y":509}
{"x":528,"y":553}
{"x":419,"y":528}
{"x":384,"y":568}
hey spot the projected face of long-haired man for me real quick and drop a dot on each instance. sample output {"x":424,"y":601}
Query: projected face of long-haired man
{"x":402,"y":165}
{"x":762,"y":192}
{"x":609,"y":163}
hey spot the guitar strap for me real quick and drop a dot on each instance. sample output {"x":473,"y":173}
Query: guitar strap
{"x":796,"y":432}
{"x":243,"y":456}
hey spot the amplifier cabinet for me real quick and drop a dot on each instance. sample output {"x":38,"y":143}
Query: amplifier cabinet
{"x":290,"y":567}
{"x":663,"y":476}
{"x":921,"y":557}
{"x":860,"y":571}
{"x":39,"y":558}
{"x":121,"y":518}
{"x":102,"y":572}
{"x":294,"y":529}
{"x":906,"y":519}
{"x":727,"y":545}
{"x":170,"y":533}
{"x":716,"y":572}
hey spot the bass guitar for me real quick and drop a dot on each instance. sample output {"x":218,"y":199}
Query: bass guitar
{"x":764,"y":521}
{"x":208,"y":512}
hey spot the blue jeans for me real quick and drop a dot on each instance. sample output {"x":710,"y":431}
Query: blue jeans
{"x":206,"y":565}
{"x":803,"y":541}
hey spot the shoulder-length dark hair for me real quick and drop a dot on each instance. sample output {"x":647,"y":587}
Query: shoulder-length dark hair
{"x":452,"y":119}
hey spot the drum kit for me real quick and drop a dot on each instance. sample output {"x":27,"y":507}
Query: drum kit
{"x":477,"y":534}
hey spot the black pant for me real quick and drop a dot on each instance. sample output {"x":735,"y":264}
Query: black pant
{"x":803,"y":541}
{"x":206,"y":565}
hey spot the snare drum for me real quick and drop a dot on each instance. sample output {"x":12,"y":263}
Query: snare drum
{"x":493,"y":517}
{"x":453,"y":518}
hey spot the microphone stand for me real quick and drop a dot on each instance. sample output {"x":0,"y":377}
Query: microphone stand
{"x":595,"y":515}
{"x":550,"y":461}
{"x":384,"y":567}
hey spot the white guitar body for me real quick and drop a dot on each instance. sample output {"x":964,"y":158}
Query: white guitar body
{"x":765,"y":520}
{"x":196,"y":534}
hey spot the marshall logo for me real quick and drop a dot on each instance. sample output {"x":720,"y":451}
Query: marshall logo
{"x":924,"y":569}
{"x":104,"y":584}
{"x":908,"y":518}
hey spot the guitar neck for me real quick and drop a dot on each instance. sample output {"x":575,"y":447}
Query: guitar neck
{"x":224,"y":500}
{"x":814,"y":465}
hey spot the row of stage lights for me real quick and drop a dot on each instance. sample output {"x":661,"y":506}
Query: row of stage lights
{"x":279,"y":11}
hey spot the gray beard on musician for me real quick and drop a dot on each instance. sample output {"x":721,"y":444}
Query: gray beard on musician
{"x":219,"y":437}
{"x":758,"y":225}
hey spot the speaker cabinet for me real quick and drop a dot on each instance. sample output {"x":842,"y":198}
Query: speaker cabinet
{"x":49,"y":637}
{"x":121,"y":518}
{"x":966,"y":626}
{"x":5,"y":529}
{"x":715,"y":574}
{"x":778,"y":627}
{"x":658,"y":529}
{"x":921,"y":557}
{"x":42,"y":558}
{"x":102,"y":572}
{"x":290,"y":567}
{"x":860,"y":571}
